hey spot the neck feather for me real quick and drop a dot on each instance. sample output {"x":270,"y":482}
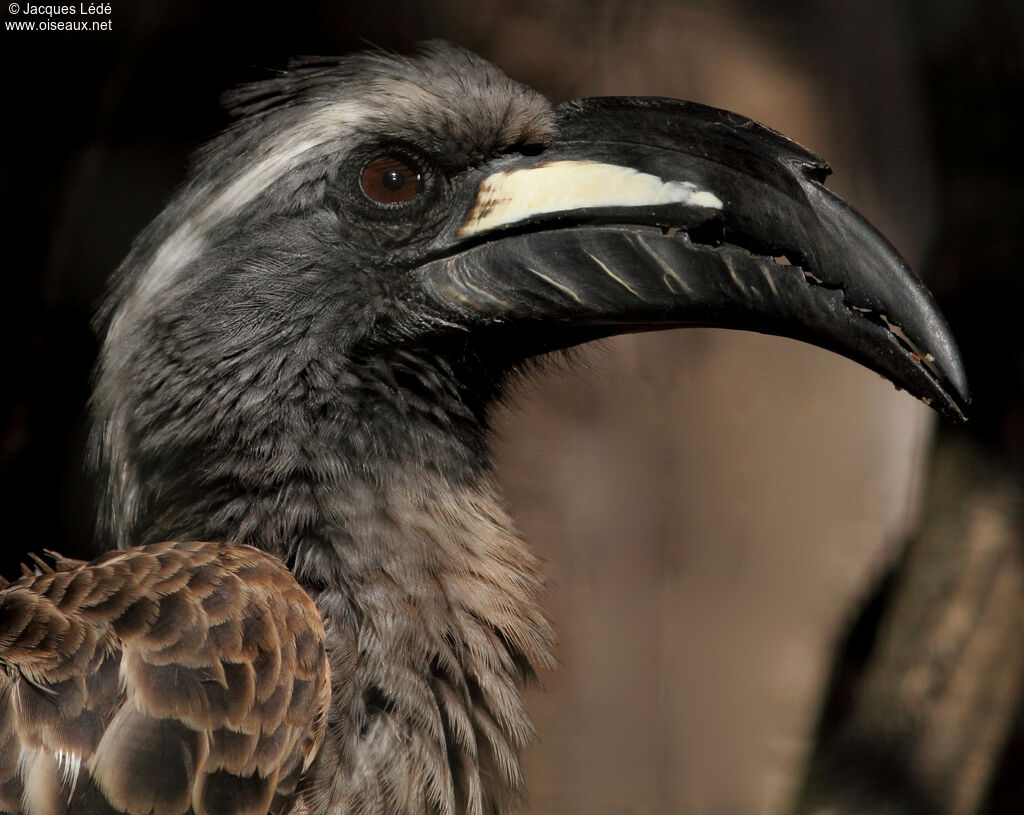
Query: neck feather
{"x":432,"y":635}
{"x":369,"y":479}
{"x":432,"y":606}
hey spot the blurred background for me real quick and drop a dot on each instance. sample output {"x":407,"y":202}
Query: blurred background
{"x":781,"y":585}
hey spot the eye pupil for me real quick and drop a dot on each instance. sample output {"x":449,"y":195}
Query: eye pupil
{"x":391,"y":180}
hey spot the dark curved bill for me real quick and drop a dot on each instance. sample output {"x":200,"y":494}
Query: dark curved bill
{"x":649,"y":213}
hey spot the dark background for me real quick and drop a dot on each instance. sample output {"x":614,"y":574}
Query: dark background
{"x":923,"y":98}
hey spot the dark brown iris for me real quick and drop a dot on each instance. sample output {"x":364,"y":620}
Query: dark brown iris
{"x":390,"y":180}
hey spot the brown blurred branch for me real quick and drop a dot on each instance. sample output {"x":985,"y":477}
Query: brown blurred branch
{"x":936,"y":702}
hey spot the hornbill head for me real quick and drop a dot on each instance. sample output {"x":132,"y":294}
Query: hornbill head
{"x":417,"y":228}
{"x":300,"y":355}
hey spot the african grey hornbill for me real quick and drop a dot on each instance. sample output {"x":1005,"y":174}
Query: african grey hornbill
{"x":301,"y":354}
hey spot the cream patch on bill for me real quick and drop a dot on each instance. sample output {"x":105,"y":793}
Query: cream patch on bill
{"x":563,"y":186}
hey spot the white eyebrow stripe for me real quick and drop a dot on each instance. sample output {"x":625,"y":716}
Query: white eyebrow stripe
{"x":562,"y":186}
{"x":277,"y":158}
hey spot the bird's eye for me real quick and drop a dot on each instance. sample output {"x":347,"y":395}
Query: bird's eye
{"x":391,"y":180}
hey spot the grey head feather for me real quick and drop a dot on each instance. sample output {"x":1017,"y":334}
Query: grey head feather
{"x":250,"y":390}
{"x":259,"y":206}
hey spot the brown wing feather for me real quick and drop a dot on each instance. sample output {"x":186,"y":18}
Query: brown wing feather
{"x":173,"y":679}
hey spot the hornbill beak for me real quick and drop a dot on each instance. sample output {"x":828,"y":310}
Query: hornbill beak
{"x":644,"y":214}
